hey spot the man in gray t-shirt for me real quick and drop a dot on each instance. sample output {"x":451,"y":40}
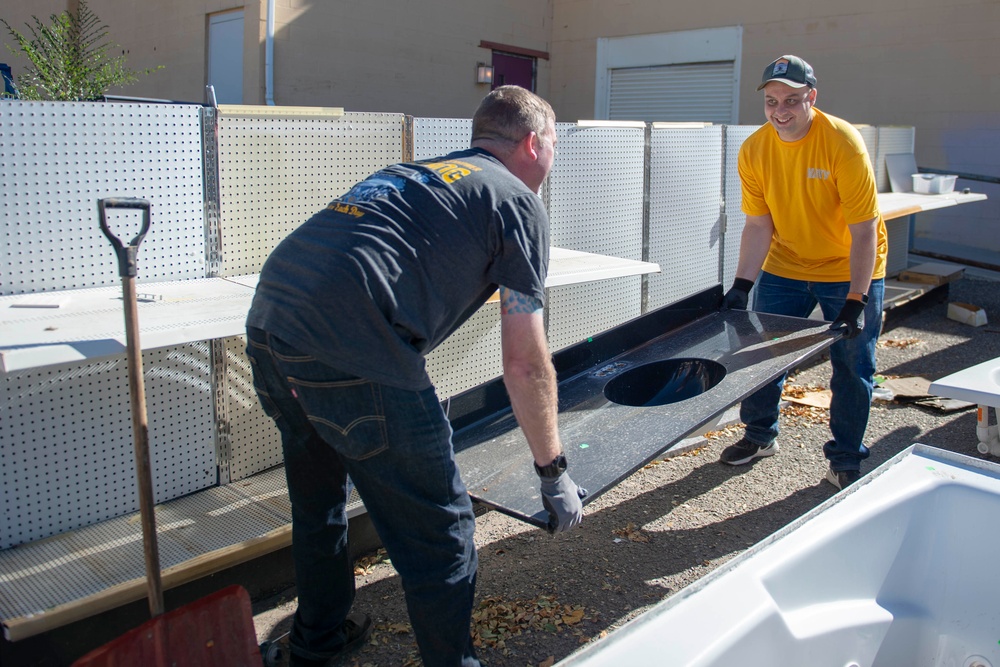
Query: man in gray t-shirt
{"x":346,"y":308}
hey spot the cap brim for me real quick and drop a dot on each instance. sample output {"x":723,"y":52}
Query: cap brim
{"x":793,"y":84}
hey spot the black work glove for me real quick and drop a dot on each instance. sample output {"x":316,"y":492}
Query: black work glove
{"x":738,"y":295}
{"x":851,"y":318}
{"x":561,"y":497}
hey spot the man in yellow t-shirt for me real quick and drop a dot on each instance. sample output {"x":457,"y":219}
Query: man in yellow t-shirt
{"x":813,"y":235}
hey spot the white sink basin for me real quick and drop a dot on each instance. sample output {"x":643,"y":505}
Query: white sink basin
{"x":979,"y":384}
{"x":898,"y":569}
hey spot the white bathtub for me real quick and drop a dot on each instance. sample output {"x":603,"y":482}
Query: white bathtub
{"x":899,"y":570}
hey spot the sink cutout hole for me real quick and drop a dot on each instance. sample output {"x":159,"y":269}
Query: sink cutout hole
{"x":664,"y":382}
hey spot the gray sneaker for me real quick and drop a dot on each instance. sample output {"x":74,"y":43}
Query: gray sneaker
{"x":843,"y":478}
{"x":745,"y":451}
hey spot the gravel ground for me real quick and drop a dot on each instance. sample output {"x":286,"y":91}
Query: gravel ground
{"x":541,"y":597}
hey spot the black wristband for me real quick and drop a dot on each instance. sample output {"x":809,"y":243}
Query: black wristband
{"x":554,"y":469}
{"x":743,"y":284}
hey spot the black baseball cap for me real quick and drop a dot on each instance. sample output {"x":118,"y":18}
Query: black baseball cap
{"x":790,"y":70}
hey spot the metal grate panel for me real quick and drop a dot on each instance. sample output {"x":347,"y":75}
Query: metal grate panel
{"x":60,"y":158}
{"x":579,"y":311}
{"x":67,"y":443}
{"x":438,"y":136}
{"x":596,"y":190}
{"x":897,"y":233}
{"x":595,"y":201}
{"x":88,"y":561}
{"x":255,"y":443}
{"x":470,"y":356}
{"x":735,"y":218}
{"x":276,"y":172}
{"x":685,"y":193}
{"x":869,"y":133}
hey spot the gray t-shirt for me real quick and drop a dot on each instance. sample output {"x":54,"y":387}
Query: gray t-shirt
{"x":386,"y":272}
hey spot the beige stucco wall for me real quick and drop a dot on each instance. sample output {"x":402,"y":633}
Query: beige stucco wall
{"x":417,"y":58}
{"x":932,"y":64}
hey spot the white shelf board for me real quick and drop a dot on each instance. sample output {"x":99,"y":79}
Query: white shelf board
{"x":898,"y":204}
{"x":570,"y":267}
{"x":89,"y":324}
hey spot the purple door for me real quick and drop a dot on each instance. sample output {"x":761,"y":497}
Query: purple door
{"x":509,"y":69}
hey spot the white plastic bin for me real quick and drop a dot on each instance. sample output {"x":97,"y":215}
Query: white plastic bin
{"x":933,"y":184}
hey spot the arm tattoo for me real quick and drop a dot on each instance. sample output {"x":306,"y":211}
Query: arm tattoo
{"x":518,"y":302}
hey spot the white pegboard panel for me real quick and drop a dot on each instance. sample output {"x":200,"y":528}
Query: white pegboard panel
{"x":869,"y":134}
{"x":470,"y":356}
{"x":438,"y":136}
{"x":255,"y":443}
{"x":891,"y":140}
{"x":577,"y":312}
{"x":897,"y":232}
{"x":735,"y":218}
{"x":66,"y":440}
{"x":60,"y":158}
{"x":685,"y":223}
{"x":595,"y":190}
{"x":595,"y":203}
{"x":275,"y":172}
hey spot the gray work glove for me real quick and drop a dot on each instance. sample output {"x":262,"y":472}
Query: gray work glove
{"x":561,"y":497}
{"x":851,"y":318}
{"x":738,"y":295}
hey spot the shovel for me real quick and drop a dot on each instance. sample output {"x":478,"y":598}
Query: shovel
{"x":215,"y":630}
{"x":127,"y":269}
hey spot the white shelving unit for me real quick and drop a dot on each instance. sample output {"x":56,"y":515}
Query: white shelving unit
{"x":52,"y":328}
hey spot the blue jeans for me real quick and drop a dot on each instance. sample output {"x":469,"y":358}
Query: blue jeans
{"x":853,"y":364}
{"x":395,"y":445}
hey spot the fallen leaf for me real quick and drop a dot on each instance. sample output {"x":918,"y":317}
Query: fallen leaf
{"x":902,"y":343}
{"x":631,"y":533}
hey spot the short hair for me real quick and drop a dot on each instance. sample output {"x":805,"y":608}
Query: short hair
{"x":509,"y":113}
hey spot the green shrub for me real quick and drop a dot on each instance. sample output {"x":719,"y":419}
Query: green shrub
{"x":71,"y":59}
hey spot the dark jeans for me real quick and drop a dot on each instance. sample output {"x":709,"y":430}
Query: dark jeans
{"x":396,"y":447}
{"x":853,"y":364}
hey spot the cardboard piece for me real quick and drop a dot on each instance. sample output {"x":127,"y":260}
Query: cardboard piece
{"x":917,"y":390}
{"x":909,"y":387}
{"x":932,"y":273}
{"x":944,"y":404}
{"x":816,"y":399}
{"x":966,"y":313}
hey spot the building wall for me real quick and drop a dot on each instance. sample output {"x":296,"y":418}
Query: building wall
{"x":371,"y":55}
{"x":925,"y":63}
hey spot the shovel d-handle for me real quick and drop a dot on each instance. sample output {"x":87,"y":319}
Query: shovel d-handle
{"x":126,"y":253}
{"x":127,"y":269}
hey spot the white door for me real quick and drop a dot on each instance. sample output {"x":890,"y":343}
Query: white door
{"x":225,"y":56}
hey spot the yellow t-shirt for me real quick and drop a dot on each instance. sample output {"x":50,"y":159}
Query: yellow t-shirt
{"x":813,"y":188}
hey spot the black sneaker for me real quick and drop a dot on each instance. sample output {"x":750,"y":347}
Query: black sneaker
{"x":358,"y":626}
{"x":745,"y":451}
{"x":843,"y":478}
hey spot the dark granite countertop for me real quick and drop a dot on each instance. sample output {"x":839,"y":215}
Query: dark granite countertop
{"x":736,"y":352}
